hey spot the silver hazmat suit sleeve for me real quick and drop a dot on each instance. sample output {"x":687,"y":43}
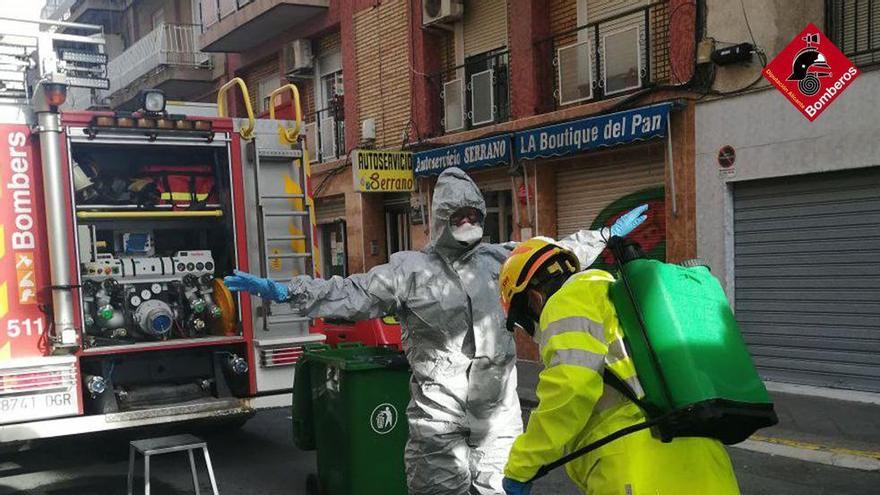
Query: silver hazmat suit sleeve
{"x":360,"y":296}
{"x":587,"y":245}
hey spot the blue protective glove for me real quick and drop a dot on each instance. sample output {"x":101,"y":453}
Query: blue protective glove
{"x":263,"y":287}
{"x":513,"y":487}
{"x":629,"y":221}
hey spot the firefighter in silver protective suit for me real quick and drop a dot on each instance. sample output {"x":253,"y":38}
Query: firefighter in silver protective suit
{"x":464,"y":413}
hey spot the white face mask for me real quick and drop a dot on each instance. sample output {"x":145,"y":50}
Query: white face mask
{"x":467,"y":233}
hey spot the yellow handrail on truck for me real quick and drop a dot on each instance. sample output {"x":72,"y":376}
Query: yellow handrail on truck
{"x":287,"y":135}
{"x":247,"y":133}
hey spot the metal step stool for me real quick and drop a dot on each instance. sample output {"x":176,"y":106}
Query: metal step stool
{"x":166,"y":445}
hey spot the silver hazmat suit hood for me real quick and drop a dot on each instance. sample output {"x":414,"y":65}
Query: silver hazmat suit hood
{"x":454,"y":190}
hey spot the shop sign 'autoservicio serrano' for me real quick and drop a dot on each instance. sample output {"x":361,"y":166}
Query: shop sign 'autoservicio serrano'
{"x":382,"y":171}
{"x":471,"y":155}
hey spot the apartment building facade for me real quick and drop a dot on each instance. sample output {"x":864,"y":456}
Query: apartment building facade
{"x":150,"y":44}
{"x":470,"y":71}
{"x":441,"y":78}
{"x":788,"y":210}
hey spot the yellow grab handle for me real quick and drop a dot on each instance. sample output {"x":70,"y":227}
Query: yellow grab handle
{"x":246,"y":132}
{"x":287,"y":134}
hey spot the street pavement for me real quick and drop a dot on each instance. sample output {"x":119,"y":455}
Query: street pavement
{"x":260,"y":458}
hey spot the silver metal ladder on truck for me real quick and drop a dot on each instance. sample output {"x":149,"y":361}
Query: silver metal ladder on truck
{"x":281,"y":226}
{"x":280,"y":213}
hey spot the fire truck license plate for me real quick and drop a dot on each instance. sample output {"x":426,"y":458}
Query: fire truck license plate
{"x":29,"y":407}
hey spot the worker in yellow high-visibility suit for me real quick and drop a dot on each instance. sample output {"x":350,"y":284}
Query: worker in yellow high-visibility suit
{"x":579,"y":336}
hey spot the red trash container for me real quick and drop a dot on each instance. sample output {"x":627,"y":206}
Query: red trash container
{"x":377,"y":332}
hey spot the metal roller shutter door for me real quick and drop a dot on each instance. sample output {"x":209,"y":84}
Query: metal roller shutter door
{"x":807,"y":277}
{"x":594,"y":182}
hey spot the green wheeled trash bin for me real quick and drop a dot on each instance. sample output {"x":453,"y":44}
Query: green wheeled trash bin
{"x":349,"y":404}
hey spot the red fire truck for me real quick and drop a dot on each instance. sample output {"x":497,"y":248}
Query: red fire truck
{"x":116,"y":229}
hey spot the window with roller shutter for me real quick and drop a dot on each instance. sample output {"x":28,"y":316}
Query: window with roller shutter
{"x":563,"y":15}
{"x":854,"y":26}
{"x":476,"y":92}
{"x":605,"y":48}
{"x":621,"y":42}
{"x":485,"y":26}
{"x":325,"y":123}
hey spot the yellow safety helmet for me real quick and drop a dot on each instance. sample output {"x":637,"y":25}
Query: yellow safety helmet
{"x":526,"y":260}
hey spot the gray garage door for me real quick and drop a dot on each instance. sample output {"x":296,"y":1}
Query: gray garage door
{"x":807,"y":267}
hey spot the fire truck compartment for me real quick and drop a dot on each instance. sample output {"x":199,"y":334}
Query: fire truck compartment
{"x":155,"y":234}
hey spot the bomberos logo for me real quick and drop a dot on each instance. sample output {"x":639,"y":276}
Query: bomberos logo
{"x":811,"y":72}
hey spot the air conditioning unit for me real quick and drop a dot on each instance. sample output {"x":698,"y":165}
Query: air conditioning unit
{"x":298,"y":60}
{"x":441,"y":11}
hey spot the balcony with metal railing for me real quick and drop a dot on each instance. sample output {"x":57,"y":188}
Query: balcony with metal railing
{"x":239,"y":25}
{"x":613,"y":56}
{"x":102,"y":12}
{"x":474,"y":94}
{"x":325,"y":135}
{"x":167,"y":58}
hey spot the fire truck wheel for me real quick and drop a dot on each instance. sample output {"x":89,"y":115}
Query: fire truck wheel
{"x":312,"y":487}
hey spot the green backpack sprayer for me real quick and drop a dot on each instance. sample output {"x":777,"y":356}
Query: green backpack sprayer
{"x":698,"y":377}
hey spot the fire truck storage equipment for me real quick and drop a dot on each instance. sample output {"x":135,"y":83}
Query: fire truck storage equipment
{"x":155,"y":230}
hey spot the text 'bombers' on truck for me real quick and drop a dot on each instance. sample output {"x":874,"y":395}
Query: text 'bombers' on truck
{"x":116,"y":229}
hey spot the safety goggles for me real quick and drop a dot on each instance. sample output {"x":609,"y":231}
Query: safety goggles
{"x":472,"y":215}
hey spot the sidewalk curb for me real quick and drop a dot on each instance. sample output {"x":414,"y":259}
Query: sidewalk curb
{"x":845,"y":458}
{"x":825,"y":393}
